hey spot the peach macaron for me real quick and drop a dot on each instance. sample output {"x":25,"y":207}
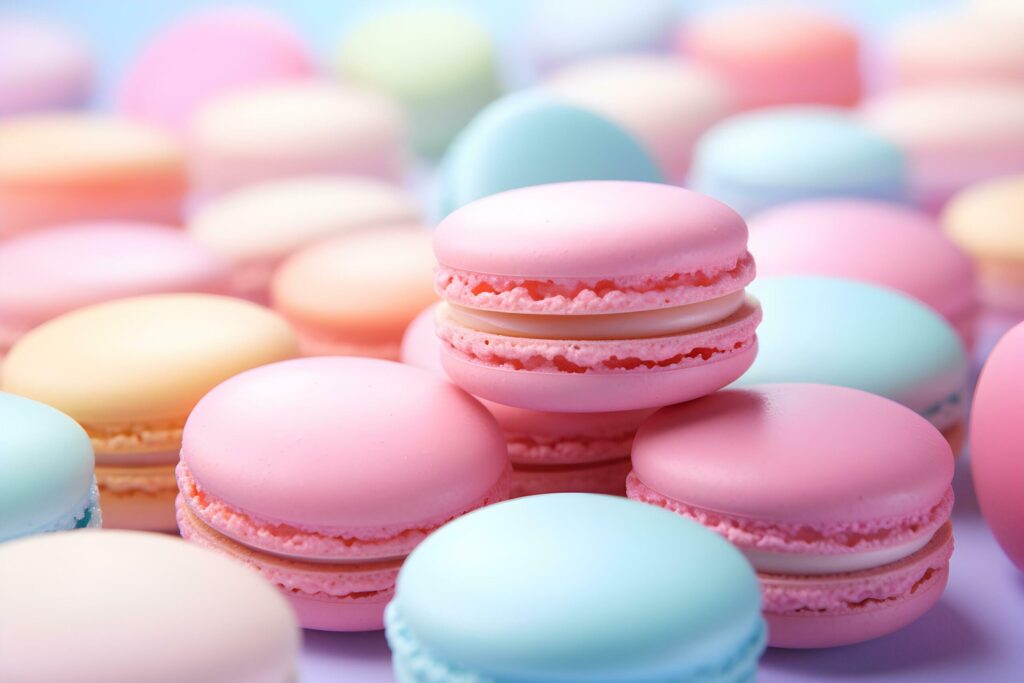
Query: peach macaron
{"x":354,"y":295}
{"x":58,"y":168}
{"x":324,"y":473}
{"x":129,"y":371}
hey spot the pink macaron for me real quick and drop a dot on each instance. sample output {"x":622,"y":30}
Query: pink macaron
{"x":595,"y":296}
{"x":49,"y":272}
{"x":550,"y":452}
{"x":839,"y":498}
{"x":997,"y":462}
{"x":204,"y":54}
{"x":772,"y":56}
{"x":43,"y":65}
{"x":324,"y":473}
{"x":873,"y":241}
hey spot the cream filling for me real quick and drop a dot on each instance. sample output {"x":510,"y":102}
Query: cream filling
{"x":800,"y":564}
{"x":636,"y":325}
{"x":153,"y":459}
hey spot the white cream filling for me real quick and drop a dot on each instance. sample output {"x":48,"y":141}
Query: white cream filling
{"x":799,"y":564}
{"x":636,"y":325}
{"x":153,"y":459}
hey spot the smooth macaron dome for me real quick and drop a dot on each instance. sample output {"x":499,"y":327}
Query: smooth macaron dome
{"x":773,"y":56}
{"x":755,"y":160}
{"x":290,"y":128}
{"x":43,"y":66}
{"x":859,"y":335}
{"x":356,"y":294}
{"x":953,"y":134}
{"x":664,"y":102}
{"x":987,"y":221}
{"x":204,"y":54}
{"x":47,"y":465}
{"x":880,"y":242}
{"x":129,"y":371}
{"x":593,"y":588}
{"x":996,"y":462}
{"x":256,"y":227}
{"x":59,"y":168}
{"x":545,"y":310}
{"x":534,"y":138}
{"x":550,"y":452}
{"x":839,"y":498}
{"x":441,"y":65}
{"x":47,"y":272}
{"x":323,"y":473}
{"x":123,"y":607}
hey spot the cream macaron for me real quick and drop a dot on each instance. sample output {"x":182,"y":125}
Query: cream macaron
{"x":293,"y":128}
{"x":130,"y":371}
{"x":356,"y":294}
{"x":259,"y":226}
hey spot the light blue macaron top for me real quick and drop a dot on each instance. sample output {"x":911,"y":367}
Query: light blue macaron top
{"x":575,"y":587}
{"x":758,"y":159}
{"x":854,"y":334}
{"x":530,"y":138}
{"x":46,"y":470}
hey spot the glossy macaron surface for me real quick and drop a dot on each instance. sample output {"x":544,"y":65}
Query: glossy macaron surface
{"x":628,"y":593}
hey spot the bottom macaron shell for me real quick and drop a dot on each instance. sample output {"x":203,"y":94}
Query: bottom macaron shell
{"x":139,"y":498}
{"x":326,"y":596}
{"x":603,"y":477}
{"x":317,"y":345}
{"x":842,"y":609}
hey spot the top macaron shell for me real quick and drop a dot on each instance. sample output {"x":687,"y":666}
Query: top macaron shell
{"x":47,"y":465}
{"x":509,"y":238}
{"x":43,"y":65}
{"x":370,"y":444}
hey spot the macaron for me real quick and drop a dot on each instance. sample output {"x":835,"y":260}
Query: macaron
{"x":294,"y":128}
{"x":965,"y":46}
{"x":48,"y":272}
{"x":879,"y":242}
{"x":592,"y":589}
{"x":755,"y":160}
{"x":545,"y":310}
{"x":129,"y":371}
{"x":442,"y":66}
{"x":550,"y":452}
{"x":354,"y":295}
{"x":43,"y":65}
{"x":259,"y":226}
{"x":58,"y":168}
{"x":123,"y":606}
{"x":773,"y":56}
{"x":664,"y":102}
{"x":571,"y":30}
{"x":863,"y":336}
{"x":47,"y":463}
{"x":996,"y":463}
{"x":839,"y":498}
{"x":324,"y":473}
{"x":533,"y":138}
{"x":953,"y":135}
{"x":206,"y":53}
{"x":987,"y":221}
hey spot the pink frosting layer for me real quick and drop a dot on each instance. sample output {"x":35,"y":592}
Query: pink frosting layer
{"x":572,"y":296}
{"x":855,"y":592}
{"x":335,"y":582}
{"x":357,"y":543}
{"x":821,"y":538}
{"x":710,"y":344}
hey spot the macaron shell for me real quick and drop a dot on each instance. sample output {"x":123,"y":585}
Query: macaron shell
{"x":140,"y":498}
{"x":532,"y":138}
{"x":43,"y":65}
{"x":608,"y":477}
{"x":986,"y":221}
{"x":996,"y":461}
{"x":145,"y":359}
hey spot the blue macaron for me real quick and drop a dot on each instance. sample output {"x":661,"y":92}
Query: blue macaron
{"x":46,"y":471}
{"x":758,"y":159}
{"x":575,"y":587}
{"x":833,"y":331}
{"x":531,"y":138}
